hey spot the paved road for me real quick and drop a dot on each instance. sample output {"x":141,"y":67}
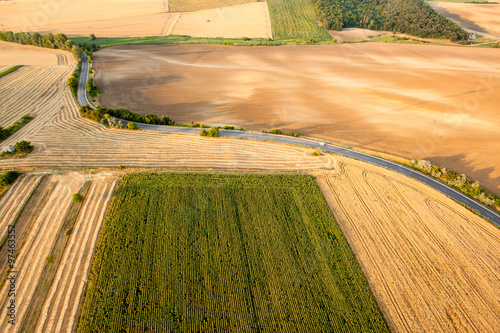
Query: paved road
{"x":82,"y":90}
{"x":452,"y":193}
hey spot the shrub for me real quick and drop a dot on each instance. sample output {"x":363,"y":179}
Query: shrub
{"x":77,"y":198}
{"x":9,"y":177}
{"x":23,"y":147}
{"x":132,"y":126}
{"x":92,"y":37}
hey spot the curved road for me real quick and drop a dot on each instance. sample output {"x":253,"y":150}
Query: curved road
{"x":441,"y":187}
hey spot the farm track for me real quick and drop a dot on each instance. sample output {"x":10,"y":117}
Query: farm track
{"x":432,"y":265}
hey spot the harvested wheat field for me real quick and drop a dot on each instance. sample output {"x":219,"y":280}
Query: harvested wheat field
{"x":12,"y":54}
{"x":432,"y":265}
{"x":132,"y":18}
{"x":481,"y":18}
{"x":52,"y":306}
{"x":62,"y":138}
{"x":416,"y":101}
{"x":250,"y":20}
{"x":192,"y":5}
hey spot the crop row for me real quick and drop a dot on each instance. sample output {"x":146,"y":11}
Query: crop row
{"x":203,"y":252}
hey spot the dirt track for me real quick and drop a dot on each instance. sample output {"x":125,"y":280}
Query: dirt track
{"x":416,"y":101}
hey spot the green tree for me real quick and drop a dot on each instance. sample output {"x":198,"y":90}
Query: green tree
{"x":23,"y":146}
{"x":60,"y":40}
{"x":9,"y":177}
{"x":92,"y":37}
{"x":132,"y":126}
{"x":77,"y":198}
{"x":76,"y":52}
{"x":73,"y":84}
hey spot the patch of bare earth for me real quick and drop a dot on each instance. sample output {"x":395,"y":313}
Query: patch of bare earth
{"x":416,"y":101}
{"x":432,"y":265}
{"x":355,"y":34}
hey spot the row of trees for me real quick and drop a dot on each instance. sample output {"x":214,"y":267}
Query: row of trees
{"x":414,"y":17}
{"x":101,"y":113}
{"x":50,"y":41}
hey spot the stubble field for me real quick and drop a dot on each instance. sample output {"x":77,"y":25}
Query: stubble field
{"x":432,"y":264}
{"x":416,"y":101}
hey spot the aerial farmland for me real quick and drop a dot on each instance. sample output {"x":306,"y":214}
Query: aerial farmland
{"x":249,"y":166}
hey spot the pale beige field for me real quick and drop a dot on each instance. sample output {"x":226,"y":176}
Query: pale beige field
{"x":249,"y":20}
{"x":433,"y":266}
{"x":14,"y":54}
{"x":482,"y":18}
{"x":415,"y":101}
{"x":408,"y":238}
{"x":113,"y":18}
{"x":192,"y":5}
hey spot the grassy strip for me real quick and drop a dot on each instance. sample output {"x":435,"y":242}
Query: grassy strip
{"x":175,"y":247}
{"x":10,"y":70}
{"x":173,"y":39}
{"x":52,"y":264}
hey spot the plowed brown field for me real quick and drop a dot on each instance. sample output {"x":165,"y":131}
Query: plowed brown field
{"x":432,"y":264}
{"x":416,"y":101}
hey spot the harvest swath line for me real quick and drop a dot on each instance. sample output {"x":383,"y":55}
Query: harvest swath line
{"x":212,"y":252}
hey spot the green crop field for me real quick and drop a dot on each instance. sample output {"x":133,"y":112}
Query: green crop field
{"x":292,"y":19}
{"x":224,"y":253}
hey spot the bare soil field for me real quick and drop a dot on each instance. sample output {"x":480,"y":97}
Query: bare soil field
{"x":131,"y":18}
{"x":416,"y":101}
{"x":192,"y":5}
{"x":433,"y":265}
{"x":482,"y":18}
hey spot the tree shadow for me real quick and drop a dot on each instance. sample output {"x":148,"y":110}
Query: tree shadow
{"x":459,"y":163}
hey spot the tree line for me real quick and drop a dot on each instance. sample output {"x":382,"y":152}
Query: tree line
{"x":50,"y":41}
{"x":413,"y":17}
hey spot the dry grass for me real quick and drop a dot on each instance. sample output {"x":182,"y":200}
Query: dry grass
{"x":433,"y":265}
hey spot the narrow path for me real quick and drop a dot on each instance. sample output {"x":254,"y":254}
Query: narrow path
{"x":435,"y":184}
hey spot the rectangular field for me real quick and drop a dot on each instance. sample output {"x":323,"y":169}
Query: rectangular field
{"x":207,"y":253}
{"x":292,"y":19}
